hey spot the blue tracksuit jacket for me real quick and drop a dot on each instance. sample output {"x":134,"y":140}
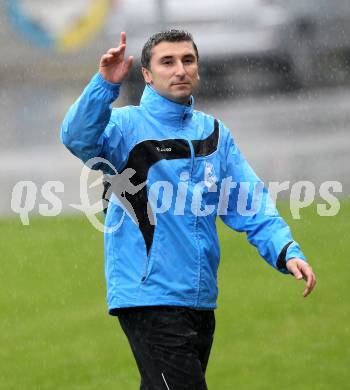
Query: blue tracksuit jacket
{"x":167,"y":252}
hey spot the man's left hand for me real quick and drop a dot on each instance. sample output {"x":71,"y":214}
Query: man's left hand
{"x":301,"y":270}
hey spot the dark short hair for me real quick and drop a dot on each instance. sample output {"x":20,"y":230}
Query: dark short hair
{"x":172,"y":35}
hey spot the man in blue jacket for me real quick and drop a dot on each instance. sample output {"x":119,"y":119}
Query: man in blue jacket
{"x":182,"y":169}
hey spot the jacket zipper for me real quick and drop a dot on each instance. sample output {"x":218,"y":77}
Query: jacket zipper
{"x":192,"y":158}
{"x":195,"y":222}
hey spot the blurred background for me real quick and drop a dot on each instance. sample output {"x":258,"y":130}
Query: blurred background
{"x":277,"y":72}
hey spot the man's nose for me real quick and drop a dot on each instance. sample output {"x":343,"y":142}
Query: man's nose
{"x":180,"y":69}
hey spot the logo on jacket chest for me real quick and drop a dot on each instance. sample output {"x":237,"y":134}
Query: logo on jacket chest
{"x":209,"y":174}
{"x":163,"y":149}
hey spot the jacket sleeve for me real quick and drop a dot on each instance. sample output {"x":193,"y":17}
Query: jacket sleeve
{"x":87,"y":129}
{"x":251,"y":210}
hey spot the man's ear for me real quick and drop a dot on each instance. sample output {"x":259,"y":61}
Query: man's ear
{"x":147,"y":75}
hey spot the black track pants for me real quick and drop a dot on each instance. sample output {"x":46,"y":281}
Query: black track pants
{"x":171,"y":345}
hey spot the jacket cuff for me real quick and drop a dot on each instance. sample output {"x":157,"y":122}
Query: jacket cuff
{"x":114,"y":87}
{"x":289,"y":251}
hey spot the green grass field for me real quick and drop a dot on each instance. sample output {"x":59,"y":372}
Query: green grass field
{"x":56,"y":333}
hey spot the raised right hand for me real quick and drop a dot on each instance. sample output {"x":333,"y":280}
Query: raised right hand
{"x":113,"y":66}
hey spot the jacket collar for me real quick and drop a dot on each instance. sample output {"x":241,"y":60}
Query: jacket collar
{"x":164,"y":109}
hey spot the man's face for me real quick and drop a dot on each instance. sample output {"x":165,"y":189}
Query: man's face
{"x":173,"y":70}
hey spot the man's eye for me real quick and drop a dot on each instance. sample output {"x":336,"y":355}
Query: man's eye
{"x":167,"y":62}
{"x":188,"y":61}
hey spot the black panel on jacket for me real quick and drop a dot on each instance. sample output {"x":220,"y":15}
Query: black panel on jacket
{"x":207,"y":146}
{"x":147,"y":153}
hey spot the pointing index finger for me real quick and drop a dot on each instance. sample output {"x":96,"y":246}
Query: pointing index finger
{"x":122,"y":38}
